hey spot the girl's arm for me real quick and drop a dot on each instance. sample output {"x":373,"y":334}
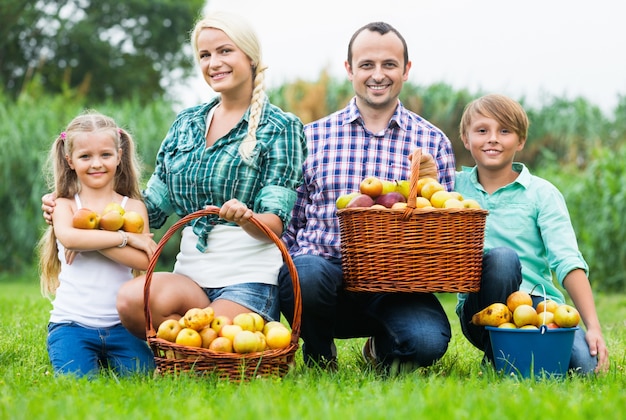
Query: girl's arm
{"x":577,"y":285}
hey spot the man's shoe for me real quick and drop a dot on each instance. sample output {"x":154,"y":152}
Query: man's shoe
{"x":369,"y":353}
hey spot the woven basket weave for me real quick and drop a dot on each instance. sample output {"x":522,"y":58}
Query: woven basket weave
{"x":412,"y":249}
{"x":175,"y":358}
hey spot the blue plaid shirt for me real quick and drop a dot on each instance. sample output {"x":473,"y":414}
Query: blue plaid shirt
{"x":342,"y":152}
{"x":189,"y":176}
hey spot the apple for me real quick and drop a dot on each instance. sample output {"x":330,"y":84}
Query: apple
{"x":470,"y":203}
{"x":133,"y":222}
{"x":388,"y":186}
{"x":219,"y":321}
{"x":525,"y":315}
{"x":389,"y":199}
{"x":278,"y":337}
{"x":566,"y":316}
{"x":197,"y":319}
{"x":113,"y":206}
{"x":517,"y":298}
{"x":189,"y":337}
{"x":545,"y":318}
{"x":423,"y":181}
{"x":344,"y":199}
{"x":272,"y":324}
{"x":439,"y":198}
{"x":371,"y":186}
{"x":422,"y":203}
{"x":547,"y":305}
{"x":528,"y":327}
{"x":552,"y":325}
{"x":262,"y":343}
{"x":245,"y":321}
{"x":453,"y":203}
{"x":430,"y":188}
{"x":259,"y":322}
{"x":399,"y":205}
{"x":112,"y":220}
{"x":221,"y":345}
{"x":181,"y":321}
{"x":507,"y":325}
{"x":85,"y":219}
{"x":378,"y":206}
{"x":208,"y":334}
{"x":246,"y":342}
{"x":457,"y":195}
{"x":168,"y":330}
{"x":403,"y":187}
{"x":360,"y":200}
{"x":209,"y":310}
{"x":230,"y":331}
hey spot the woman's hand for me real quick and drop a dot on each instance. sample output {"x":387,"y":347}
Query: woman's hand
{"x":47,"y":206}
{"x":235,"y":211}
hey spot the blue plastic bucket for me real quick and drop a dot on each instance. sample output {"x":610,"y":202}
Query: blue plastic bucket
{"x":544,"y":351}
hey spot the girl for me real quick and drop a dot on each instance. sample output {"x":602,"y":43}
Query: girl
{"x":93,"y":164}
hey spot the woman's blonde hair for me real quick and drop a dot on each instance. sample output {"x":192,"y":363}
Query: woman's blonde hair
{"x":246,"y":39}
{"x":63,"y":180}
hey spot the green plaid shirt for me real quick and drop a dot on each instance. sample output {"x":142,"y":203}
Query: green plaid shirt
{"x":189,"y":176}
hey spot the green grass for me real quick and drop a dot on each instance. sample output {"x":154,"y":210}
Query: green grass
{"x":455,"y":387}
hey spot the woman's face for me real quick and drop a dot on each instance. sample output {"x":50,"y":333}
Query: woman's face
{"x":225,"y":67}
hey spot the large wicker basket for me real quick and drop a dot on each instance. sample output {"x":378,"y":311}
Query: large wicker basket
{"x":412,"y":249}
{"x":174,"y":358}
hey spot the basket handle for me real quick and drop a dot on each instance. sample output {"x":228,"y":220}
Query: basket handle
{"x":295,"y":325}
{"x":416,"y":156}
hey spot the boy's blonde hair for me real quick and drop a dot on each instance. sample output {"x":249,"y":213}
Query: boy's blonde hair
{"x":63,"y":181}
{"x":506,"y":111}
{"x":245,"y":38}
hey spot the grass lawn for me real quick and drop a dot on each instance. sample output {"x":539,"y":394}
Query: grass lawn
{"x":456,"y":387}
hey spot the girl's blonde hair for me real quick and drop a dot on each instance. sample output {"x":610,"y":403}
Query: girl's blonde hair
{"x":508,"y":112}
{"x":245,"y":38}
{"x":63,"y":180}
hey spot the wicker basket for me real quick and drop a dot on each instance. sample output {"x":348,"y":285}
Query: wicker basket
{"x":411,"y":249}
{"x":175,"y":358}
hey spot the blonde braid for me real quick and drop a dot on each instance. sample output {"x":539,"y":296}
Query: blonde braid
{"x":256,"y":108}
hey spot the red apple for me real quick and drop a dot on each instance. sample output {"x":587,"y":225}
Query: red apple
{"x":361,"y":200}
{"x":389,"y":199}
{"x":371,"y":186}
{"x":85,"y":219}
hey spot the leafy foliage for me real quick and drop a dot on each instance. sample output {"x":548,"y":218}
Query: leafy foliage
{"x":103,"y":49}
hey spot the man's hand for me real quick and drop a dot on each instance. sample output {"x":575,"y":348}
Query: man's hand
{"x":428,"y":167}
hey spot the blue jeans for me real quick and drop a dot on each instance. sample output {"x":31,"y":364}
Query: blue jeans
{"x":83,"y":351}
{"x":407,"y":327}
{"x":501,"y":276}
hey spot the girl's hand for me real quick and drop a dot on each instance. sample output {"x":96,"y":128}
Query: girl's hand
{"x":235,"y":211}
{"x":70,"y":255}
{"x":143,"y":242}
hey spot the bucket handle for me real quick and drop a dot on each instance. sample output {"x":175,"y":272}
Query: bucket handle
{"x":543,"y":328}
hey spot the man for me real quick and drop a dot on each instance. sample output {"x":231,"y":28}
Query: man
{"x":373,"y":136}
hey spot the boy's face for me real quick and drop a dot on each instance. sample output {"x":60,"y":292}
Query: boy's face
{"x":377,"y":71}
{"x":492,"y":146}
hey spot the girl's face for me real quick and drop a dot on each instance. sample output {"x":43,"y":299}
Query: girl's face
{"x":492,"y":146}
{"x":377,"y":71}
{"x":94,"y":158}
{"x":224,"y":66}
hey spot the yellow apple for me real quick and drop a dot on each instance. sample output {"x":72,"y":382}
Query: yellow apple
{"x":210,"y":311}
{"x":113,"y":206}
{"x":181,"y":321}
{"x":259,"y":322}
{"x":566,"y":316}
{"x":431,"y":188}
{"x":452,"y":203}
{"x":278,"y":337}
{"x":168,"y":330}
{"x":507,"y":325}
{"x":388,"y":186}
{"x":261,"y":337}
{"x":399,"y":205}
{"x":221,"y":345}
{"x":423,"y":181}
{"x":545,"y":318}
{"x":245,"y":321}
{"x":525,"y":315}
{"x":371,"y":186}
{"x":189,"y":337}
{"x":230,"y":331}
{"x":378,"y":206}
{"x":85,"y":219}
{"x":245,"y":342}
{"x":517,"y":298}
{"x":343,"y":200}
{"x":547,"y":305}
{"x":403,"y":186}
{"x":197,"y":319}
{"x":133,"y":222}
{"x":219,"y":321}
{"x":528,"y":327}
{"x":208,"y":334}
{"x":457,"y":195}
{"x":272,"y":324}
{"x":439,"y":198}
{"x":470,"y":203}
{"x":422,"y":203}
{"x":112,"y":220}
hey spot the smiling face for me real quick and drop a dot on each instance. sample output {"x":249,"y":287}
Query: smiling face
{"x":225,"y":67}
{"x":377,"y":69}
{"x":94,"y":158}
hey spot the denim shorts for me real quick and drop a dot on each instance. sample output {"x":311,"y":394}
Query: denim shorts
{"x":258,"y":297}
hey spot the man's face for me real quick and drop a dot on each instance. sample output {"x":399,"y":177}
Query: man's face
{"x":377,"y":71}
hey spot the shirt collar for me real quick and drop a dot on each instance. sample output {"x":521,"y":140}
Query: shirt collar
{"x":523,"y":179}
{"x":399,"y":117}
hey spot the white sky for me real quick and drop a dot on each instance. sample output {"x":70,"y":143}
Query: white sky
{"x":531,"y":48}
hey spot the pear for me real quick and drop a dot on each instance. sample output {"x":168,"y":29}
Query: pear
{"x":493,"y":315}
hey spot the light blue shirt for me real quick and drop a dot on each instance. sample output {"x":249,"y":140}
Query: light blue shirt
{"x":530,"y":216}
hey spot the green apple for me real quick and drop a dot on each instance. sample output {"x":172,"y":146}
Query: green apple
{"x":403,"y":187}
{"x":344,"y":199}
{"x":388,"y":186}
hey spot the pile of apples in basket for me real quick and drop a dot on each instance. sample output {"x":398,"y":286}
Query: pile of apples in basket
{"x":519,"y":312}
{"x":383,"y":194}
{"x":245,"y":333}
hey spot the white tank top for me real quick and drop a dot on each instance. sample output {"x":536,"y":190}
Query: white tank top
{"x":88,"y":288}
